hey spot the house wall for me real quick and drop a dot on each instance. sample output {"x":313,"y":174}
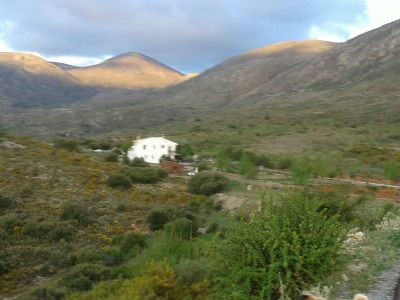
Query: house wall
{"x":152,"y":149}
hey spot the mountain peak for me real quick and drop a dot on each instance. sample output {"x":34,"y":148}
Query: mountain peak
{"x":128,"y":70}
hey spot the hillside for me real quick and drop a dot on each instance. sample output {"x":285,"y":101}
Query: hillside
{"x":29,"y":81}
{"x":279,"y":88}
{"x":129,"y":70}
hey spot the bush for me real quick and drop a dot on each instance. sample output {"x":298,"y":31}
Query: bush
{"x":157,"y":218}
{"x":145,"y":174}
{"x":284,"y":248}
{"x":53,"y":231}
{"x":207,"y":183}
{"x":182,"y":228}
{"x":78,"y":212}
{"x":129,"y":241}
{"x":5,"y":202}
{"x":301,"y":171}
{"x":83,"y":276}
{"x":247,"y":167}
{"x":138,"y":162}
{"x":112,"y":157}
{"x":392,"y":170}
{"x":70,"y":145}
{"x":46,"y":293}
{"x":119,"y":181}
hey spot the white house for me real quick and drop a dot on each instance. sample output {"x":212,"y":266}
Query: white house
{"x":152,"y":149}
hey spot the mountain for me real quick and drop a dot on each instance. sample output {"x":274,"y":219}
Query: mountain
{"x":353,"y":81}
{"x":29,"y":81}
{"x":64,"y":66}
{"x":129,"y":70}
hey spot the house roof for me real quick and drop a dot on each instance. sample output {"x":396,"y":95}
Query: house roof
{"x":155,"y":139}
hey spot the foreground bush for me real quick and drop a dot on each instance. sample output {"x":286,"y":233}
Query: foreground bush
{"x":282,"y":249}
{"x":145,"y":174}
{"x":207,"y":183}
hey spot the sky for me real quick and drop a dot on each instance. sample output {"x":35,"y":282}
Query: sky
{"x":188,"y":35}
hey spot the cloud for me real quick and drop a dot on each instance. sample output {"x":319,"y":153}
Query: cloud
{"x":188,"y":35}
{"x":376,"y":14}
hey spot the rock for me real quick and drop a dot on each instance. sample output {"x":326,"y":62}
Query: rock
{"x":11,"y":145}
{"x":202,"y":230}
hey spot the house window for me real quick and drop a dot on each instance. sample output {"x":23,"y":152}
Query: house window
{"x":152,"y":157}
{"x":163,"y":146}
{"x":145,"y":156}
{"x":154,"y":146}
{"x":144,"y":147}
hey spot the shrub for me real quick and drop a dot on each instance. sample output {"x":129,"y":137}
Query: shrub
{"x":78,"y":212}
{"x":45,"y":230}
{"x":145,"y":174}
{"x":46,"y":293}
{"x":131,"y":240}
{"x":247,"y":167}
{"x":70,"y":145}
{"x":392,"y":170}
{"x":207,"y":183}
{"x":112,"y":157}
{"x":119,"y":181}
{"x":5,"y":202}
{"x":284,"y":248}
{"x":157,"y":218}
{"x":182,"y":228}
{"x":301,"y":172}
{"x":83,"y":276}
{"x":138,"y":162}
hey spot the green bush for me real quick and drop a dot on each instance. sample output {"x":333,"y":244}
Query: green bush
{"x":77,"y":212}
{"x":70,"y":145}
{"x":157,"y":218}
{"x":46,"y":293}
{"x":45,"y":230}
{"x":119,"y":181}
{"x":392,"y":170}
{"x":284,"y":248}
{"x":301,"y":172}
{"x":112,"y":157}
{"x":138,"y":162}
{"x":145,"y":174}
{"x":207,"y":183}
{"x":129,"y":241}
{"x":247,"y":167}
{"x":83,"y":276}
{"x":5,"y":202}
{"x":182,"y":228}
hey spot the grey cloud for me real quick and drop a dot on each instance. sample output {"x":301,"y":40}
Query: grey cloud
{"x":188,"y":35}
